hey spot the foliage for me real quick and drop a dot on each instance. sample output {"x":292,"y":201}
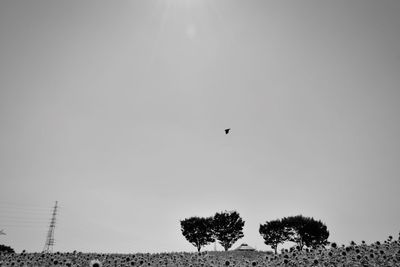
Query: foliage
{"x":306,"y":231}
{"x":227,"y":228}
{"x":6,"y":249}
{"x":198,"y":231}
{"x":274,"y":233}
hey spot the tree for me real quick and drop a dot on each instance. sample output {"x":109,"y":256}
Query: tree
{"x":274,"y":233}
{"x":315,"y":233}
{"x":306,"y":231}
{"x":227,"y":228}
{"x":198,"y":231}
{"x":6,"y":249}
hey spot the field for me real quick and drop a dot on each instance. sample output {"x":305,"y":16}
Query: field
{"x":376,"y":254}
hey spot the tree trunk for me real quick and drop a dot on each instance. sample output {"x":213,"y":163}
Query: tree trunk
{"x":301,"y":245}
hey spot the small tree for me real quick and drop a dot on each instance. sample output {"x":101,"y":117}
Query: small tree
{"x":274,"y":233}
{"x":228,"y":228}
{"x":6,"y":249}
{"x":306,"y":231}
{"x":198,"y":231}
{"x":294,"y":226}
{"x":315,"y":233}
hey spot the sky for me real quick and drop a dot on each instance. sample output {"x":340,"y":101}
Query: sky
{"x":117,"y":110}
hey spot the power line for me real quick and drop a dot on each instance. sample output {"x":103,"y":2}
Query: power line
{"x":22,"y":213}
{"x":25,"y":226}
{"x":19,"y":206}
{"x":22,"y":221}
{"x":21,"y":217}
{"x":22,"y":209}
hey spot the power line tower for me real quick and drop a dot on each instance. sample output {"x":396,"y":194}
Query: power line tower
{"x":48,"y":246}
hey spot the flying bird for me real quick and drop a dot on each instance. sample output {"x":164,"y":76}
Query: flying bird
{"x":227,"y":130}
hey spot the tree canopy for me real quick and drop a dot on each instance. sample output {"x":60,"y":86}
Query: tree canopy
{"x":274,"y":233}
{"x":6,"y":249}
{"x":227,"y":228}
{"x":302,"y":230}
{"x":198,"y":231}
{"x":306,"y":231}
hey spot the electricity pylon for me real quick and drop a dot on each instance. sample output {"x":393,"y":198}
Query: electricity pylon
{"x":48,"y":246}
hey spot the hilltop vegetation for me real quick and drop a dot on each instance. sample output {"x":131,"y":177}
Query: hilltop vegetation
{"x":227,"y":228}
{"x":6,"y":249}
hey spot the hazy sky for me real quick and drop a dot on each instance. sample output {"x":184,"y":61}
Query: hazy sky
{"x":117,"y":109}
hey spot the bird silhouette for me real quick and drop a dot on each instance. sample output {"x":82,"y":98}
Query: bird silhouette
{"x":227,"y":130}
